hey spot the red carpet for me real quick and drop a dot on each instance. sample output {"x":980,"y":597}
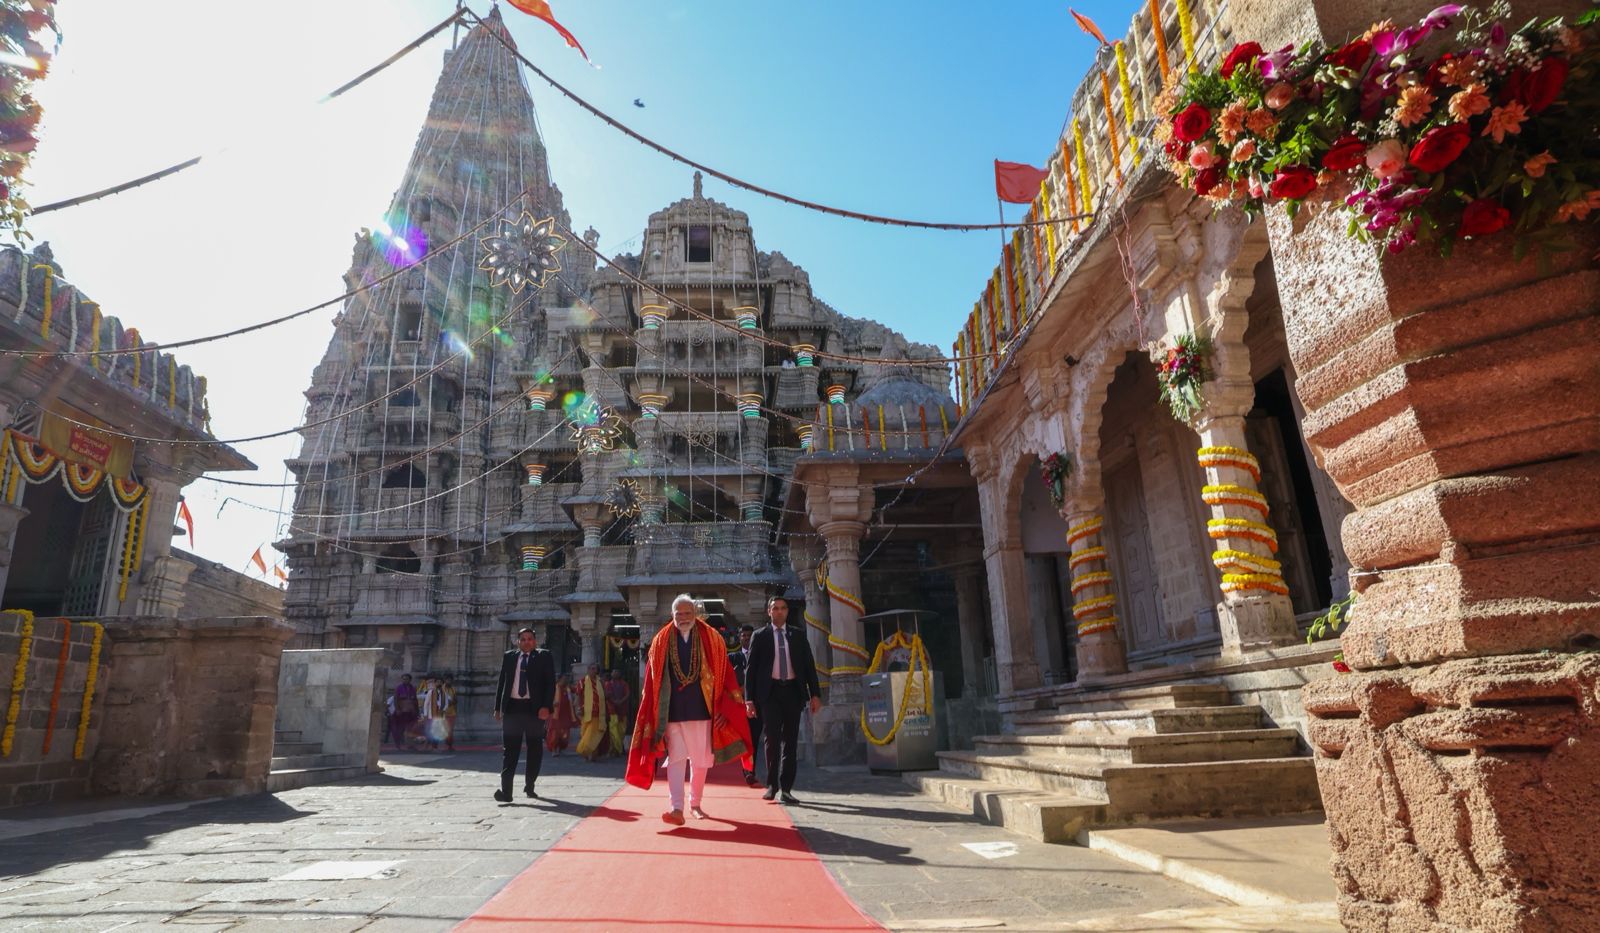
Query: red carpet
{"x":744,"y":868}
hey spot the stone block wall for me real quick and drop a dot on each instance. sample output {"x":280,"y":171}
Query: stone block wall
{"x":28,"y":775}
{"x":335,"y":697}
{"x":215,"y":590}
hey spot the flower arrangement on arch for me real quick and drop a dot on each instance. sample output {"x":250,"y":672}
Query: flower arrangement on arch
{"x":1181,"y":372}
{"x":24,"y":60}
{"x":1442,"y":138}
{"x":1055,"y":469}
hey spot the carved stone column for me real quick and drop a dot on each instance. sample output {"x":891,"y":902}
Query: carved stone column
{"x":1015,"y":667}
{"x":162,"y":585}
{"x":805,"y":554}
{"x":969,"y":618}
{"x":1455,"y":403}
{"x":1094,"y":603}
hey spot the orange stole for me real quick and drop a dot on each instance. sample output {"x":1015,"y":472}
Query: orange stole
{"x":729,"y":740}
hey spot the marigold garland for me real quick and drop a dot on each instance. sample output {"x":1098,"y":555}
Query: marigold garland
{"x":133,"y":547}
{"x":1235,"y":457}
{"x":1232,"y":561}
{"x":55,"y":691}
{"x":1219,"y":528}
{"x":1234,"y":494}
{"x":1086,"y":556}
{"x":19,"y":678}
{"x":88,"y":689}
{"x":1272,"y":583}
{"x":919,"y":665}
{"x":1086,"y":580}
{"x":1084,"y":529}
{"x":1090,"y":606}
{"x":1097,"y":625}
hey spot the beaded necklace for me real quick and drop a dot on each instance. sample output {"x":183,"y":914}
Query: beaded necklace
{"x":683,"y":678}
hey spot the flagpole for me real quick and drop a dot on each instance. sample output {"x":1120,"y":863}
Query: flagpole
{"x":1001,"y":207}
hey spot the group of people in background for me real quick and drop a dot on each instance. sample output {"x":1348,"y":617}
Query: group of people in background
{"x":423,"y":716}
{"x":599,"y":708}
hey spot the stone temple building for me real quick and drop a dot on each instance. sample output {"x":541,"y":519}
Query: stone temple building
{"x":477,"y":459}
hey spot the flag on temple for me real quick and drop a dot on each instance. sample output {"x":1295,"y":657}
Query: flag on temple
{"x":188,"y":520}
{"x":1088,"y":26}
{"x":541,"y":10}
{"x":260,"y":564}
{"x":277,"y":570}
{"x":1017,"y":183}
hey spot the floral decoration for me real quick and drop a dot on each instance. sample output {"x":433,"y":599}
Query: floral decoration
{"x":1438,"y":136}
{"x":1056,"y":468}
{"x":24,"y":58}
{"x":1181,"y":372}
{"x":19,"y":679}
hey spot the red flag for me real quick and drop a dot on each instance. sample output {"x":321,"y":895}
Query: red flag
{"x":188,"y":520}
{"x":541,"y":9}
{"x":1084,"y":23}
{"x":260,"y":564}
{"x":1017,"y":183}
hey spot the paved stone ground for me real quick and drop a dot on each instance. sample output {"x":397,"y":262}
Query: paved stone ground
{"x":223,"y":865}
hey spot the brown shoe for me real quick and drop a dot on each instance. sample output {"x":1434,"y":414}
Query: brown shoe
{"x":675,"y":817}
{"x":698,"y":813}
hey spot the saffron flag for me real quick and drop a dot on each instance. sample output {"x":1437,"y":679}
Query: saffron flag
{"x":1017,"y":183}
{"x":277,"y":570}
{"x":1084,"y":23}
{"x":260,"y":564}
{"x":188,"y":520}
{"x":541,"y":10}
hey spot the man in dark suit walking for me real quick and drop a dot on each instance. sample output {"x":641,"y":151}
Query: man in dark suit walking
{"x":522,"y":702}
{"x":780,"y":679}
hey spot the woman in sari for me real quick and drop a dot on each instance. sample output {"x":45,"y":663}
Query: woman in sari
{"x":558,"y":731}
{"x":592,"y":713}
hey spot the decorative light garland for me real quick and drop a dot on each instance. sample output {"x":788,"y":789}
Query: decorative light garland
{"x":55,"y":689}
{"x":919,"y":665}
{"x":651,"y":317}
{"x":1239,"y":459}
{"x":747,"y":317}
{"x":650,"y":404}
{"x":539,"y":398}
{"x":836,"y":394}
{"x":805,"y":433}
{"x":88,"y":689}
{"x":531,"y":555}
{"x":19,"y":678}
{"x":1234,"y":494}
{"x":1084,"y":529}
{"x":535,"y":473}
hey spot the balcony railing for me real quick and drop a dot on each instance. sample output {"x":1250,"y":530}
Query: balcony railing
{"x":1105,"y":140}
{"x":879,"y":428}
{"x":393,"y":595}
{"x":720,"y":547}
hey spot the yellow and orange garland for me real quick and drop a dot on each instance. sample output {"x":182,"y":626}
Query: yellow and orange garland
{"x":88,"y":688}
{"x":909,"y":696}
{"x":1094,"y":614}
{"x":133,"y":546}
{"x":19,"y":679}
{"x":1232,"y":457}
{"x":1242,"y":571}
{"x":838,"y":644}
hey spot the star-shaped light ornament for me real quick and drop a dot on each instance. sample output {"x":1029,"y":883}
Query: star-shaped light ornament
{"x":595,"y":429}
{"x":523,"y":253}
{"x":623,"y":499}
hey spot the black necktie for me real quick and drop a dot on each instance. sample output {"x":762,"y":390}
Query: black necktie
{"x":782,"y":637}
{"x":524,"y":677}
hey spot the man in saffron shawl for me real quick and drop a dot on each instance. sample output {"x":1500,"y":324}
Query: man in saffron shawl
{"x":690,"y":707}
{"x":592,"y":714}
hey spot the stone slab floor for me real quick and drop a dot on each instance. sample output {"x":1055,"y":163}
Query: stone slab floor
{"x":422,"y":846}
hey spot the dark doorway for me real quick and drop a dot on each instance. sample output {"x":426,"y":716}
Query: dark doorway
{"x":40,"y":580}
{"x":1274,"y":435}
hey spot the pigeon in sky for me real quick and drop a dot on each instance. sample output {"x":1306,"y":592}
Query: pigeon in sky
{"x":637,"y":102}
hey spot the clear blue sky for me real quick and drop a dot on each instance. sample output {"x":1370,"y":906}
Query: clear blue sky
{"x":889,"y":106}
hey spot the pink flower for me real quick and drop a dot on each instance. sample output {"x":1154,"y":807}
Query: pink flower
{"x":1534,"y":167}
{"x":1280,"y":95}
{"x":1202,"y":158}
{"x":1244,"y":150}
{"x":1387,"y":159}
{"x":1505,"y":121}
{"x":1256,"y":190}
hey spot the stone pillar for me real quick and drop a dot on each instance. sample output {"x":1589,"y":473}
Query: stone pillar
{"x":804,"y":556}
{"x":10,"y":517}
{"x":1255,"y":612}
{"x":162,"y":584}
{"x":1015,"y":667}
{"x":1454,"y":401}
{"x":969,"y":618}
{"x":845,"y":605}
{"x":590,"y":516}
{"x":1094,"y":602}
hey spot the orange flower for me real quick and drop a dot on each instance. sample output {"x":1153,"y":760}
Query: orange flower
{"x":1381,"y":26}
{"x":1534,"y":167}
{"x":1468,"y":102}
{"x":1415,"y":102}
{"x":1505,"y":120}
{"x":1579,"y":208}
{"x":1262,"y":123}
{"x":1231,"y":123}
{"x":1461,"y":72}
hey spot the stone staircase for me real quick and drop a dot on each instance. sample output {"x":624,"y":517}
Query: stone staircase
{"x":1126,"y":756}
{"x":297,"y":763}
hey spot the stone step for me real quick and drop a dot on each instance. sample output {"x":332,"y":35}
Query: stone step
{"x":1045,"y":817}
{"x":290,"y":778}
{"x":1173,"y":748}
{"x":1136,"y":792}
{"x":286,"y":735}
{"x":281,"y":749}
{"x":1145,"y":721}
{"x":1163,"y":696}
{"x":319,"y":760}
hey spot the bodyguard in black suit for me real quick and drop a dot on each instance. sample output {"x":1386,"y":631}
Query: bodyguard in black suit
{"x":779,"y":680}
{"x":522,"y":702}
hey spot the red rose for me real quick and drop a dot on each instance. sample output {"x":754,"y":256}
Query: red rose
{"x":1177,"y":149}
{"x":1347,"y":152}
{"x":1206,"y":180}
{"x":1241,"y":53}
{"x":1537,"y":90}
{"x":1352,"y":56}
{"x":1440,"y":146}
{"x":1191,"y":123}
{"x":1483,"y":217}
{"x":1293,"y":183}
{"x":1341,"y":667}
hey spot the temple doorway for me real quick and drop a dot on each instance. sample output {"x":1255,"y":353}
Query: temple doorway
{"x":42,"y":582}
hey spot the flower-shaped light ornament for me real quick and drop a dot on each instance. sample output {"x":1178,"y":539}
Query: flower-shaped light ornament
{"x":523,"y":253}
{"x":595,"y":428}
{"x":623,"y":499}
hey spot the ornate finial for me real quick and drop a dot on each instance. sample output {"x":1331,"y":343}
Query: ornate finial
{"x":698,"y":191}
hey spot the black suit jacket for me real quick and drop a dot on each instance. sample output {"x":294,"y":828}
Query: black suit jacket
{"x":758,"y":671}
{"x":739,"y":660}
{"x":541,"y":679}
